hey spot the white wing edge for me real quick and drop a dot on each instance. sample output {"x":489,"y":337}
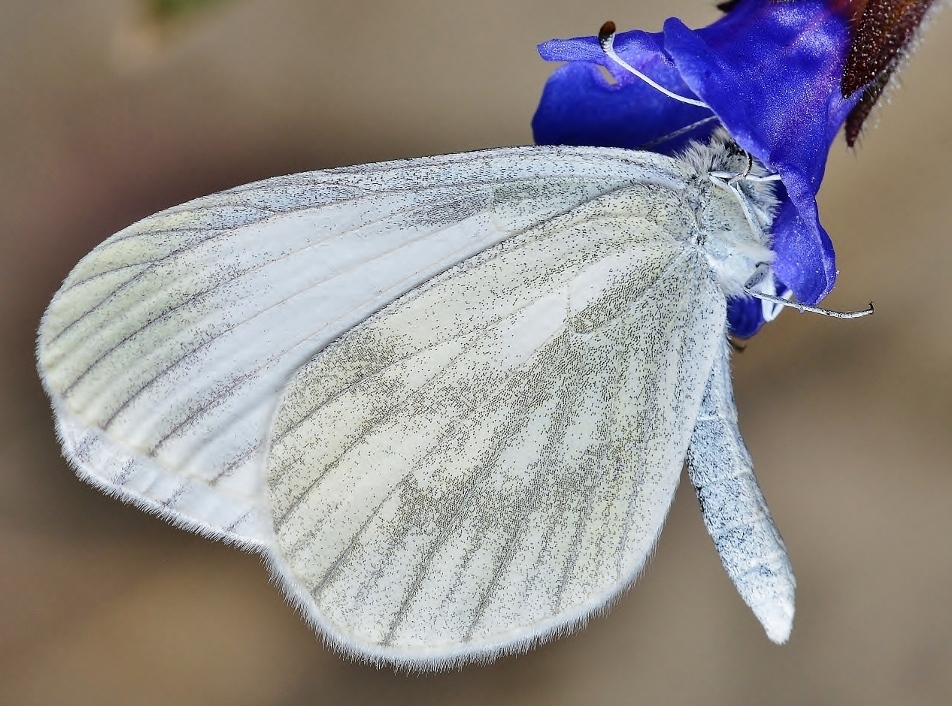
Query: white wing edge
{"x":440,"y":659}
{"x":247,"y":531}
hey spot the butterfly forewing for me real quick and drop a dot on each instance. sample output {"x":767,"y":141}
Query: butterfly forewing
{"x":491,"y":457}
{"x":166,"y":348}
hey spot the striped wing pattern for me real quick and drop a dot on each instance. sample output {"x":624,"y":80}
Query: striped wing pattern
{"x":490,"y":458}
{"x":166,"y":348}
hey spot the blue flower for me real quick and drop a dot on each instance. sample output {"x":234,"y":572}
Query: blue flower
{"x":770,"y":72}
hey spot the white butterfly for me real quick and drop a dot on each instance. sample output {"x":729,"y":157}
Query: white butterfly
{"x":449,"y":399}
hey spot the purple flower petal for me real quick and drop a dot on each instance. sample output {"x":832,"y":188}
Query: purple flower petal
{"x":770,"y":72}
{"x":580,"y":107}
{"x":746,"y":316}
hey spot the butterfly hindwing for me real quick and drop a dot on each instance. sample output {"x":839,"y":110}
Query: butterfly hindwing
{"x":490,"y":458}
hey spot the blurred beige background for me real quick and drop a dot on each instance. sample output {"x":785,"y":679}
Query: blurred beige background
{"x":106,"y":117}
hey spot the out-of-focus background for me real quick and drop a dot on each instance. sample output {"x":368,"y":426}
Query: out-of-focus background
{"x":109,"y":112}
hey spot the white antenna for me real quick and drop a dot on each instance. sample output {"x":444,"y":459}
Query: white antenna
{"x":606,"y":38}
{"x":813,"y":309}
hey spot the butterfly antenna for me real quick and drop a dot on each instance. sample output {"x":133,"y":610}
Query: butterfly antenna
{"x":812,"y":309}
{"x":606,"y":38}
{"x":677,"y":133}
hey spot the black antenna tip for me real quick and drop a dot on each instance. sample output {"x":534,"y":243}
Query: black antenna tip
{"x":606,"y":33}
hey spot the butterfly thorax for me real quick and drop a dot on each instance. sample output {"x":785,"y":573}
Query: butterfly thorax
{"x":733,"y":215}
